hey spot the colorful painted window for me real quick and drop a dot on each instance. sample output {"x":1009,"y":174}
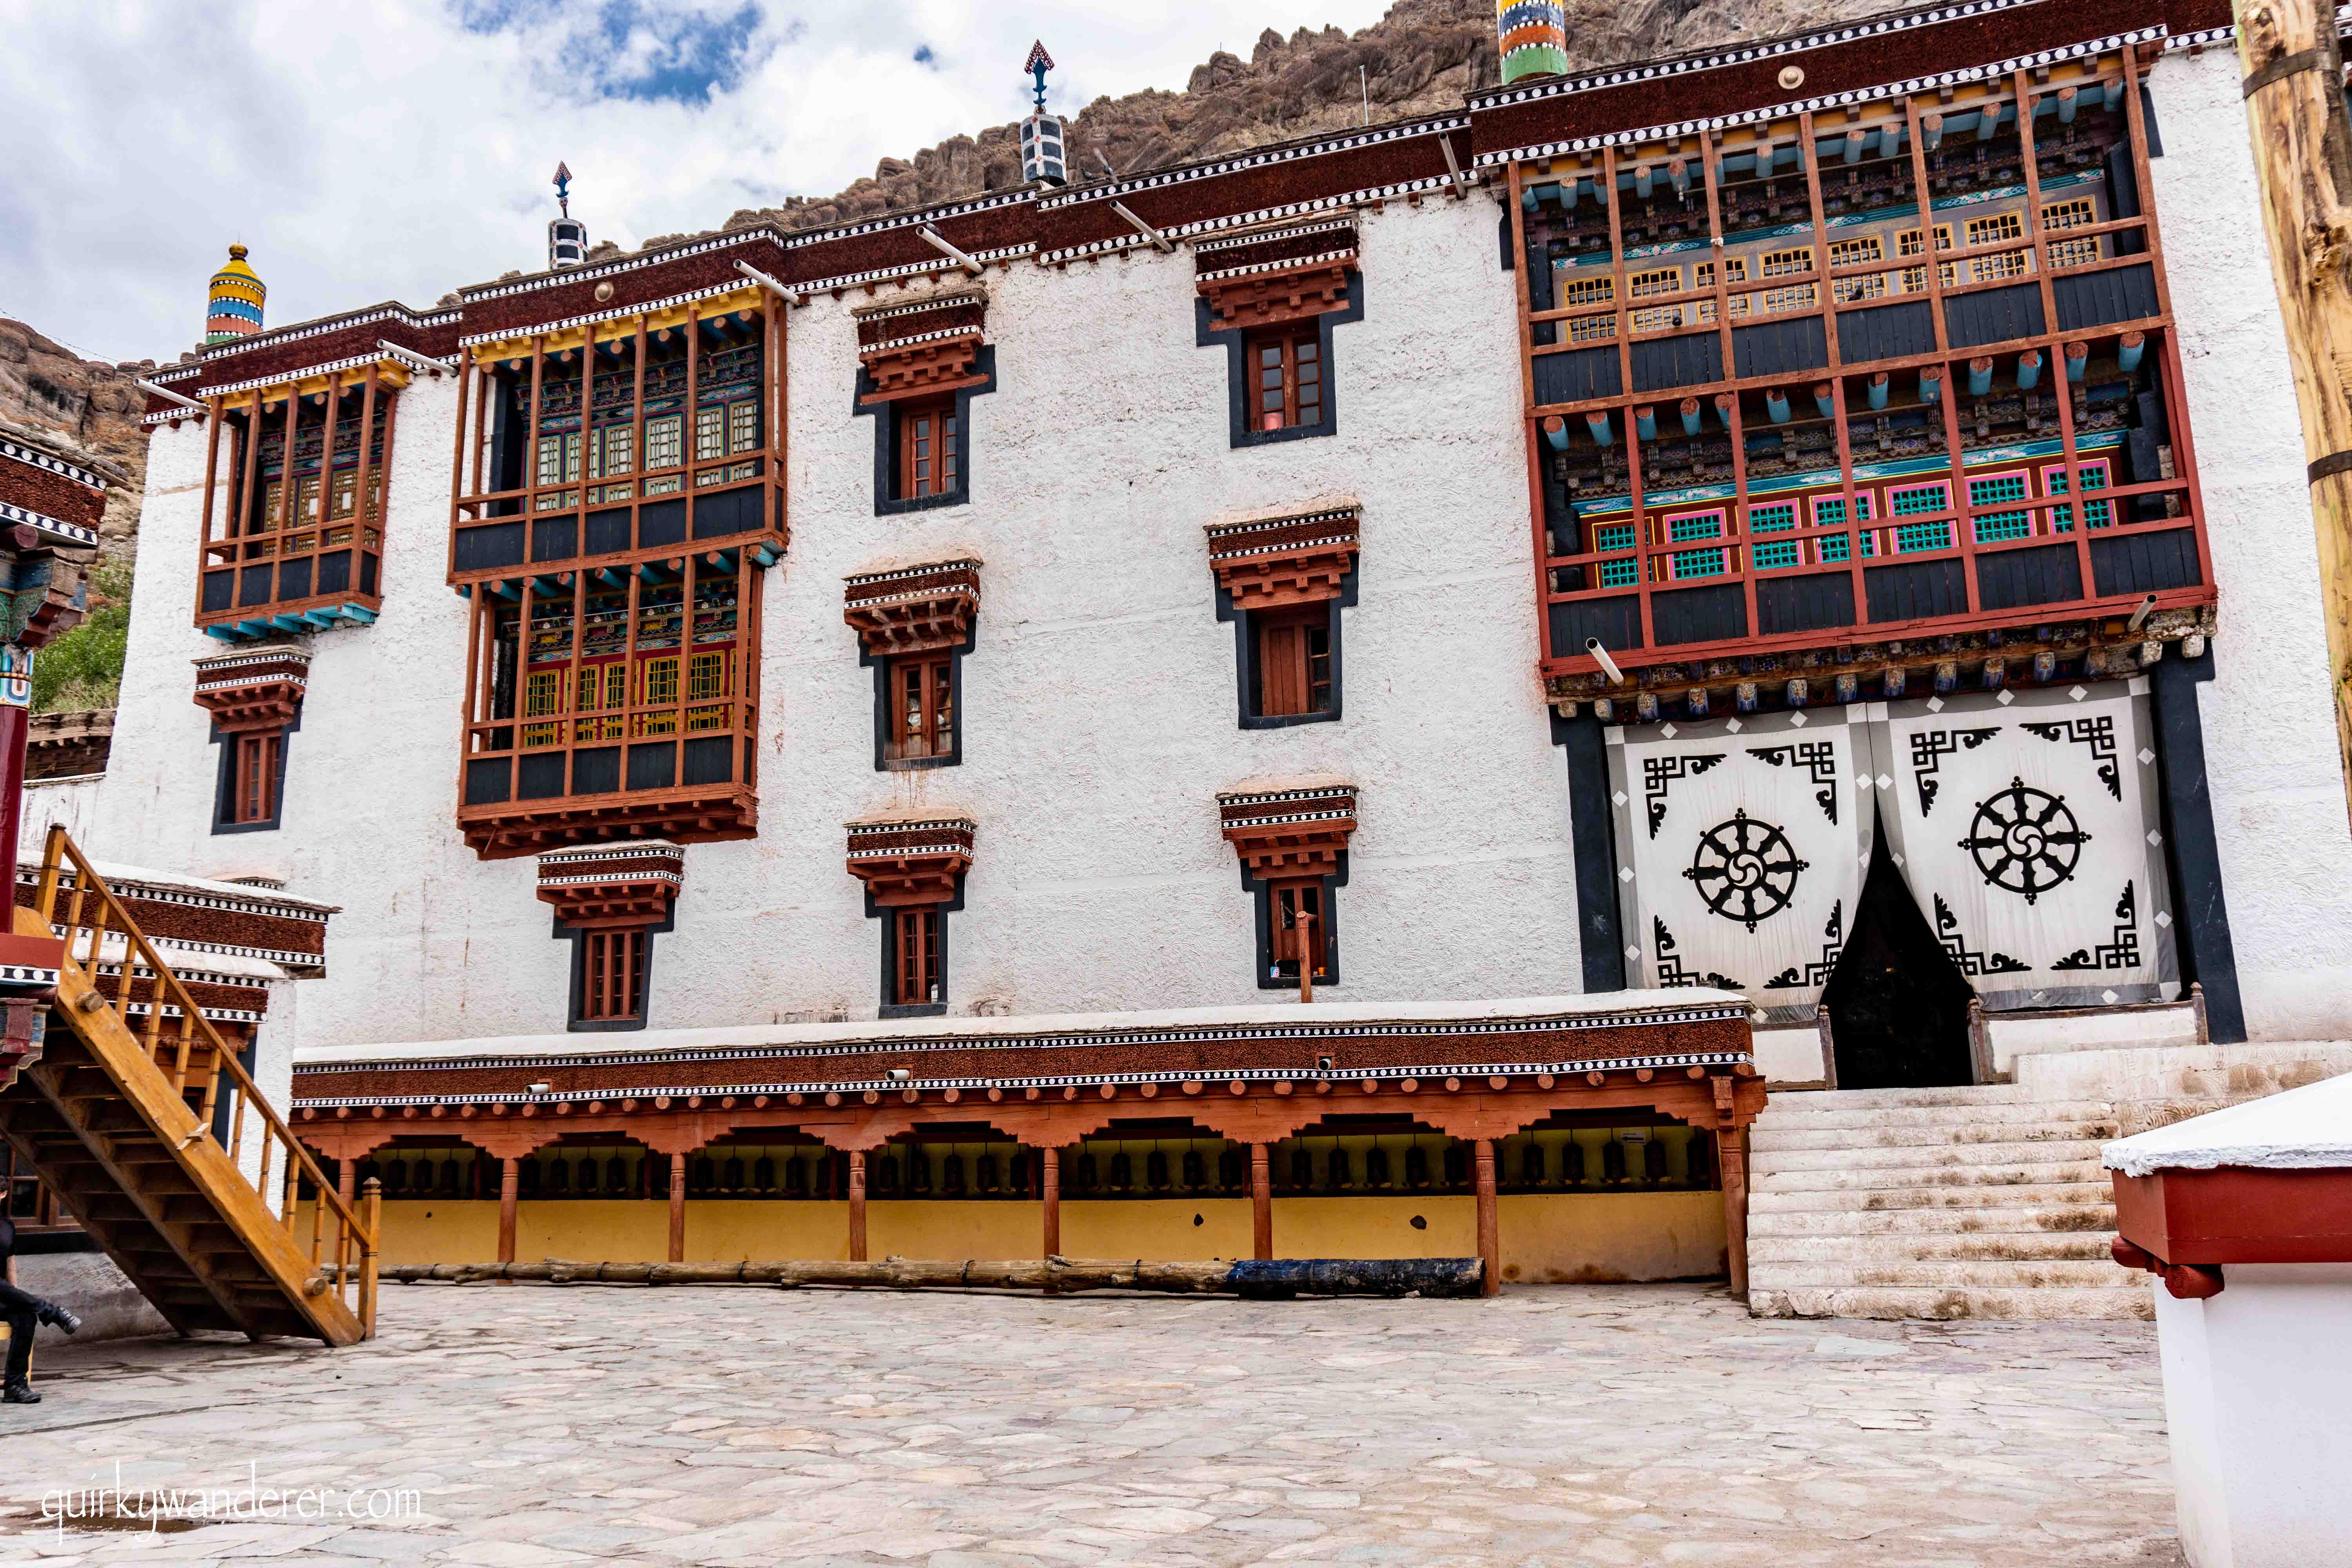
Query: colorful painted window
{"x":2094,"y":478}
{"x":1695,"y":526}
{"x":1829,"y":511}
{"x":1734,"y":270}
{"x":1788,"y":263}
{"x":1908,"y":242}
{"x":1297,"y":931}
{"x":1589,"y":290}
{"x":1778,"y":518}
{"x":1801,"y":297}
{"x":923,"y":709}
{"x":1992,"y":489}
{"x":1994,"y":227}
{"x":2077,"y":213}
{"x":1620,"y":574}
{"x":1845,"y":290}
{"x":1854,"y":252}
{"x":1912,"y":500}
{"x":1591,"y":329}
{"x":1661,"y":281}
{"x":2007,"y":264}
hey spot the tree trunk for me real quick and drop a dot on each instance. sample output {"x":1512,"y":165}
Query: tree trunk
{"x":2303,"y":163}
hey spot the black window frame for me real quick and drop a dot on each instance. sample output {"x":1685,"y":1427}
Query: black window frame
{"x":1247,"y":688}
{"x":224,"y":779}
{"x":1241,"y":383}
{"x":886,"y":917}
{"x":884,"y":763}
{"x":887,"y":502}
{"x":1261,"y":891}
{"x":576,"y":971}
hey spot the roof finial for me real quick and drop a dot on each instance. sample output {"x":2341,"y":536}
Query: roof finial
{"x":233,"y":309}
{"x":567,"y":237}
{"x":1040,"y":62}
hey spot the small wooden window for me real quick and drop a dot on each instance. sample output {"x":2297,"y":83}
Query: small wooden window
{"x":253,"y":793}
{"x":1288,"y":366}
{"x":915,"y":964}
{"x":1294,"y":661}
{"x":1298,"y":928}
{"x":612,"y":975}
{"x":929,"y":458}
{"x":922,"y":706}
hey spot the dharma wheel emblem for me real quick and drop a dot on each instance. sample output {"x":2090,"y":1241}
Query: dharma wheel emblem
{"x":1745,"y":869}
{"x":2025,"y":840}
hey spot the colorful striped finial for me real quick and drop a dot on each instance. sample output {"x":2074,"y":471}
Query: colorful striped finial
{"x":1532,"y":36}
{"x":235,"y":308}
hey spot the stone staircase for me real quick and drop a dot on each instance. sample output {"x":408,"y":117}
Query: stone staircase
{"x":1934,"y":1203}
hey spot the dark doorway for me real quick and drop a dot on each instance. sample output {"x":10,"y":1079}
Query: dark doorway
{"x":1898,"y":1005}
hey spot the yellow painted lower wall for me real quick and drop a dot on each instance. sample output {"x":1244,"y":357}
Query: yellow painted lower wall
{"x":725,"y":1230}
{"x":1552,"y":1239}
{"x":1158,"y":1230}
{"x":912,"y":1227}
{"x":434,"y":1231}
{"x":590,"y":1230}
{"x":1546,"y":1239}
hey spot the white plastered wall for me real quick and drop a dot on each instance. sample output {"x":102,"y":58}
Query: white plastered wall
{"x":2269,"y":741}
{"x":1100,"y":712}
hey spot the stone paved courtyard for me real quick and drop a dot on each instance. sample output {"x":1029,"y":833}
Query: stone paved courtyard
{"x":1559,"y":1424}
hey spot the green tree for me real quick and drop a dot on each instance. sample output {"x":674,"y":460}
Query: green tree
{"x":83,"y":668}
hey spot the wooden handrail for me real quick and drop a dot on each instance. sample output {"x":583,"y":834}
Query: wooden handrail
{"x":60,"y":856}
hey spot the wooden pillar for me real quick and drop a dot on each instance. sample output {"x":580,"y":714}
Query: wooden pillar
{"x":1490,"y":1245}
{"x":510,"y":1186}
{"x":1261,"y":1204}
{"x":856,"y":1206}
{"x":2295,"y":117}
{"x":347,"y":1180}
{"x":1731,"y":1161}
{"x":1049,"y":1174}
{"x":677,"y":1208}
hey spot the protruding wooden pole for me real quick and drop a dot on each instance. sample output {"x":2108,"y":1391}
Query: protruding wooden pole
{"x":1306,"y":928}
{"x":857,"y":1206}
{"x":509,"y":1187}
{"x":1490,"y":1241}
{"x":371,"y":1246}
{"x":2302,"y":165}
{"x":677,"y":1208}
{"x":1260,"y":1203}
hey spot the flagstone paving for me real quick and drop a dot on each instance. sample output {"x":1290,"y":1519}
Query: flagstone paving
{"x":1602,"y":1425}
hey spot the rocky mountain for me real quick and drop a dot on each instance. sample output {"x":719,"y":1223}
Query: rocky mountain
{"x":1422,"y":57}
{"x":49,"y":389}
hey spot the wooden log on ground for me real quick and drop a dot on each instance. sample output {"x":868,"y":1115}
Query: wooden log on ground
{"x":1260,"y":1280}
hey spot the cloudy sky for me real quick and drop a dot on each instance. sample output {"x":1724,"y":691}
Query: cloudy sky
{"x":396,"y":149}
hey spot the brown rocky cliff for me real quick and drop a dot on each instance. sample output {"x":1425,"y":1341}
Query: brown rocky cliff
{"x":95,"y":405}
{"x":1424,"y":57}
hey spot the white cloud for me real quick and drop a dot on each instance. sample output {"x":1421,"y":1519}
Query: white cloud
{"x":376,"y":149}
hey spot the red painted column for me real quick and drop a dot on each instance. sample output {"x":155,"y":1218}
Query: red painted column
{"x":1731,"y":1161}
{"x":510,"y":1186}
{"x":857,"y":1206}
{"x":1490,"y":1246}
{"x":1261,"y":1204}
{"x":14,"y":720}
{"x":677,"y":1208}
{"x":1049,"y":1167}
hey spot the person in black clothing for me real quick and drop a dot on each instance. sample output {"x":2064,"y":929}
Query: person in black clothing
{"x":23,"y":1313}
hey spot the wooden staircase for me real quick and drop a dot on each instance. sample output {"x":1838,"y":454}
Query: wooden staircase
{"x":141,"y":1120}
